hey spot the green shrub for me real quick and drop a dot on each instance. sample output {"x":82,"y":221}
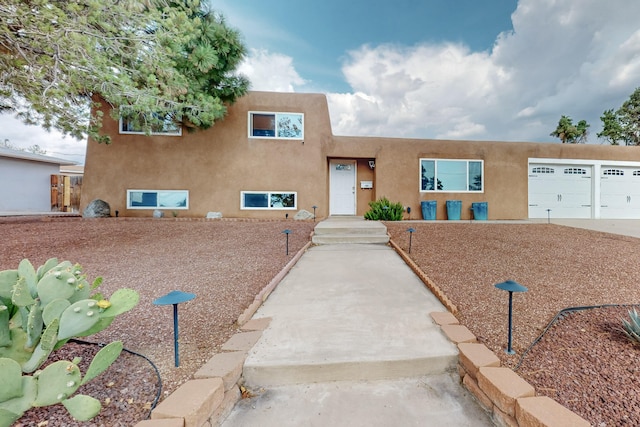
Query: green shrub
{"x":631,"y":327}
{"x":383,"y":210}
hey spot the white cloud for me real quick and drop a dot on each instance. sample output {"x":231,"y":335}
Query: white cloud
{"x":55,"y":145}
{"x":573,"y":57}
{"x":270,"y":71}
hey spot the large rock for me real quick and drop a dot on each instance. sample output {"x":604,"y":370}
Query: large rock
{"x":158,"y":213}
{"x":97,"y":209}
{"x":303,"y":214}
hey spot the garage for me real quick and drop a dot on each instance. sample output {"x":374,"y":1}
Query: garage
{"x":620,"y":192}
{"x":560,"y":190}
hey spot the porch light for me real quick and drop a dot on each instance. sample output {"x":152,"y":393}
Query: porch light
{"x":174,"y":298}
{"x":511,"y":287}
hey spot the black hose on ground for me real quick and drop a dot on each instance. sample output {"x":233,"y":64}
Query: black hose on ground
{"x":155,"y":368}
{"x":561,"y":314}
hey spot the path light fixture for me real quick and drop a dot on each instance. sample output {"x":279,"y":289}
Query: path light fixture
{"x":314,"y":212}
{"x":548,"y":216}
{"x":287,"y":232}
{"x":174,"y":298}
{"x":511,"y":287}
{"x":410,"y":230}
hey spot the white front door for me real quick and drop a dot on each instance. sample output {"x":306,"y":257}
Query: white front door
{"x":342,"y":176}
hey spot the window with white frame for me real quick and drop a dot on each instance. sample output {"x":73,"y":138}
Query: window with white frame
{"x":160,"y":125}
{"x":157,"y":199}
{"x":276,"y":125}
{"x":268,"y":200}
{"x":451,"y":175}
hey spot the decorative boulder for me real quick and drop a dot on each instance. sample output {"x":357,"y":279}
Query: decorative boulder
{"x":158,"y":214}
{"x":214,"y":215}
{"x":303,"y":214}
{"x":97,"y":209}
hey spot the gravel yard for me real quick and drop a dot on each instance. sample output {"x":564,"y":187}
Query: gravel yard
{"x":583,"y":361}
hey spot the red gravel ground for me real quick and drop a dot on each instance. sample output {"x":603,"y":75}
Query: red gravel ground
{"x":583,"y":361}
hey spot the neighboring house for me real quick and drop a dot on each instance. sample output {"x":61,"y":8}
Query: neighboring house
{"x":27,"y":181}
{"x":275,"y":154}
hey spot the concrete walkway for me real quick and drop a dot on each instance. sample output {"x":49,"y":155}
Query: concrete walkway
{"x":351,"y":343}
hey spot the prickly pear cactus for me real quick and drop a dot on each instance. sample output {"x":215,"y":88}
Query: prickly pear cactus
{"x":40,"y":310}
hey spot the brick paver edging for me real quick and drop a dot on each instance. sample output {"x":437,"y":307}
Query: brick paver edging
{"x":509,"y":399}
{"x":208,"y":398}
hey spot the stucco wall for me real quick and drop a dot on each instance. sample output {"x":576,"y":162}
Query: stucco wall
{"x":215,"y":165}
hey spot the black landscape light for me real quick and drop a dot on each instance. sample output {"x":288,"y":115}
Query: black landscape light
{"x":548,"y":216}
{"x":174,"y":298}
{"x":314,"y":212}
{"x":287,"y":232}
{"x":410,"y":230}
{"x":511,"y":287}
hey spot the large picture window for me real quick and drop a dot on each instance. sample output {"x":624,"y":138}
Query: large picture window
{"x":159,"y":125}
{"x":451,"y":175}
{"x":157,"y":199}
{"x":276,"y":125}
{"x":268,"y":200}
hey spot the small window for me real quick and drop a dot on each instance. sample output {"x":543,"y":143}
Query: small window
{"x":268,"y":200}
{"x":618,"y":172}
{"x":575,"y":171}
{"x":542,"y":169}
{"x":276,"y":125}
{"x":160,"y":125}
{"x":157,"y":199}
{"x":451,"y":175}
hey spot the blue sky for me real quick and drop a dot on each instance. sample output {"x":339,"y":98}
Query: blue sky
{"x":449,"y":69}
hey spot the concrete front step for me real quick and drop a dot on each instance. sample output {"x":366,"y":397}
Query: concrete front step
{"x":392,"y":365}
{"x":349,"y":230}
{"x":329,"y":239}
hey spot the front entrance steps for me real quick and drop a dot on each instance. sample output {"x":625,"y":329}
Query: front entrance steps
{"x":349,"y":229}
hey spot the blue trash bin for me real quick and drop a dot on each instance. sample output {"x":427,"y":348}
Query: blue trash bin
{"x":480,"y":210}
{"x":454,"y":207}
{"x":428,"y":209}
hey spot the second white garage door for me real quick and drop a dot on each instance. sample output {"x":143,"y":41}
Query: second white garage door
{"x":620,"y":192}
{"x":560,"y":191}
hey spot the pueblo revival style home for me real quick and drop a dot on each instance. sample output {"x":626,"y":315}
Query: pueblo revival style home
{"x":275,"y":154}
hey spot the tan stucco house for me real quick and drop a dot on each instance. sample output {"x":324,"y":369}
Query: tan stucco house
{"x":275,"y":154}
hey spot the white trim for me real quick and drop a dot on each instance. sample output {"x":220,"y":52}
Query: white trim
{"x":129,"y":191}
{"x":269,"y":193}
{"x":437,"y":159}
{"x":121,"y":132}
{"x":275,"y":113}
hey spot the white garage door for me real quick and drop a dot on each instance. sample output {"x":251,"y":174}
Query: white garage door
{"x":620,"y":192}
{"x":560,"y":191}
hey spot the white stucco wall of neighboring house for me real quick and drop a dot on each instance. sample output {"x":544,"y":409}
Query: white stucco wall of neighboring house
{"x":25,"y":181}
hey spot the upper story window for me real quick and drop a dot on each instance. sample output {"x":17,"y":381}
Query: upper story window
{"x":159,"y":125}
{"x":157,"y":199}
{"x":451,"y":175}
{"x":276,"y":125}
